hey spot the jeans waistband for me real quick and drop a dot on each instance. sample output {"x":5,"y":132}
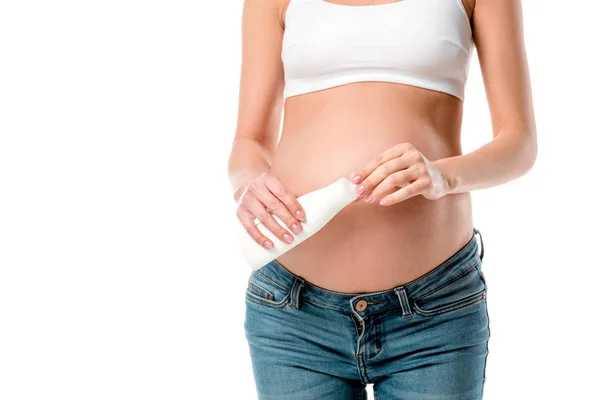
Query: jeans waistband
{"x":460,"y":262}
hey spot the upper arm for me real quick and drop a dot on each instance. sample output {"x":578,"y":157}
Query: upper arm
{"x":498,"y":36}
{"x":261,"y":77}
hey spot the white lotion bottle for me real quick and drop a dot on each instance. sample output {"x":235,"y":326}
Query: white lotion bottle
{"x":320,"y":207}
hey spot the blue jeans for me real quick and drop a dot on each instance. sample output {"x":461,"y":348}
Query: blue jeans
{"x":425,"y":339}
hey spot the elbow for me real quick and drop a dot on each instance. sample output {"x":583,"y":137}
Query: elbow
{"x":521,"y":150}
{"x":529,"y":152}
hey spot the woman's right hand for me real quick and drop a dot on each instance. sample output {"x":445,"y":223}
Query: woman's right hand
{"x":266,"y":194}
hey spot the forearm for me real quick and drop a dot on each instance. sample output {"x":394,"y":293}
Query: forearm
{"x":505,"y":158}
{"x":248,"y":159}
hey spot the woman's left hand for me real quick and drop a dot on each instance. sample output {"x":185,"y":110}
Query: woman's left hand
{"x":399,"y":173}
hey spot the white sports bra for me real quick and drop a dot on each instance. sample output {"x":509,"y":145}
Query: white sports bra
{"x":424,"y":43}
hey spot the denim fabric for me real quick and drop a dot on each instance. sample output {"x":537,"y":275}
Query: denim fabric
{"x":425,"y":339}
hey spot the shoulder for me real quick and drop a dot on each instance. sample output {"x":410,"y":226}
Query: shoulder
{"x":266,"y":10}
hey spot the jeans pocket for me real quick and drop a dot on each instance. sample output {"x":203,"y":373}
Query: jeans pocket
{"x":465,"y":290}
{"x":265,"y":291}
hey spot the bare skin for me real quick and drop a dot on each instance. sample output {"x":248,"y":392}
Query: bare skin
{"x":401,"y":142}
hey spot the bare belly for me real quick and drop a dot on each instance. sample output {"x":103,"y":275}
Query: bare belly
{"x":369,"y":247}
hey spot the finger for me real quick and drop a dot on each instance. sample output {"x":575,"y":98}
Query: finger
{"x":382,"y":173}
{"x":392,"y":152}
{"x":258,"y":209}
{"x":247,"y":220}
{"x":392,"y":183}
{"x":274,"y":205}
{"x":287,"y":198}
{"x":417,"y":187}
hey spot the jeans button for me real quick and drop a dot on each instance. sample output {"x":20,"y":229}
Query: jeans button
{"x":360,"y":305}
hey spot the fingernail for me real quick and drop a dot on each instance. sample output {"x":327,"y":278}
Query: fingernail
{"x":287,"y":238}
{"x":369,"y":198}
{"x":268,"y":244}
{"x":383,"y":202}
{"x":296,"y":228}
{"x":356,"y":179}
{"x":360,"y":189}
{"x":300,"y":214}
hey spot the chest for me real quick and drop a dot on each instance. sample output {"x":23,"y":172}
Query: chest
{"x":426,"y":32}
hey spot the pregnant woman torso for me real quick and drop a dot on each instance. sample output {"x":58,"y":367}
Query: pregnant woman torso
{"x":331,"y":132}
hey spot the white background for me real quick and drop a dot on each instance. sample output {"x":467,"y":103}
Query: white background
{"x":119,"y":276}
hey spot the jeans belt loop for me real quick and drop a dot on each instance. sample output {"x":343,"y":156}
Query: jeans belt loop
{"x":295,"y":292}
{"x":481,"y":243}
{"x":404,"y":303}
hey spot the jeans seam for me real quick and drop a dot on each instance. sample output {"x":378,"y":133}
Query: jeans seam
{"x":264,"y":302}
{"x":272,"y":281}
{"x":325,"y":305}
{"x":481,"y":274}
{"x":270,"y":295}
{"x":346,"y":312}
{"x":447,"y":283}
{"x":467,"y":301}
{"x":486,"y":347}
{"x":378,"y":345}
{"x":364,"y":365}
